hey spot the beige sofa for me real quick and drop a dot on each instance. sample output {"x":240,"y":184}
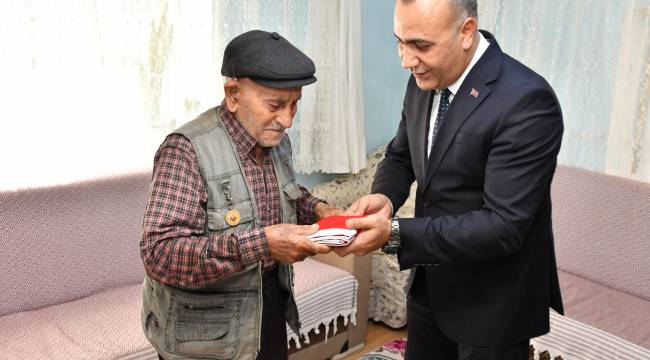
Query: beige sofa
{"x":602,"y":241}
{"x":71,"y":275}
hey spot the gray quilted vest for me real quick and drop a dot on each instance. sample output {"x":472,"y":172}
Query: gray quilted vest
{"x":223,"y":321}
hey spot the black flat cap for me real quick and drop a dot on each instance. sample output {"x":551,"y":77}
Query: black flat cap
{"x":268,"y":59}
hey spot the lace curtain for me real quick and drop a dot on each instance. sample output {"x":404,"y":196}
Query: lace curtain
{"x":90,"y":88}
{"x":596,"y":55}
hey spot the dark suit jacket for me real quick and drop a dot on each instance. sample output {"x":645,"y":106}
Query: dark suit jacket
{"x":483,"y":207}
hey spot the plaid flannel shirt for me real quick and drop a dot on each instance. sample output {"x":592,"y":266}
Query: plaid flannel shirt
{"x":174,"y":248}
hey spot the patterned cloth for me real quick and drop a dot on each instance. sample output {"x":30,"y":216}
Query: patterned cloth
{"x":174,"y":248}
{"x":387,"y":299}
{"x":393,"y":350}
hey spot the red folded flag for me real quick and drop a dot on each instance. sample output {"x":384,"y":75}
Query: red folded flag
{"x":333,"y":232}
{"x":336,"y":222}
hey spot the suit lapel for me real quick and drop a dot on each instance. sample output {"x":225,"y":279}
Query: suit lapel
{"x":470,"y":95}
{"x":421,"y":105}
{"x":421,"y":131}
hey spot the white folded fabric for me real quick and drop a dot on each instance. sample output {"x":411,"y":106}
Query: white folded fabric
{"x":333,"y":232}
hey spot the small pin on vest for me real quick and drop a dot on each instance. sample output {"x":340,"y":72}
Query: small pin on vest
{"x":233,"y":217}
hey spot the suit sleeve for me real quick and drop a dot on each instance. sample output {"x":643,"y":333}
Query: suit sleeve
{"x":394,"y":174}
{"x":518,"y":173}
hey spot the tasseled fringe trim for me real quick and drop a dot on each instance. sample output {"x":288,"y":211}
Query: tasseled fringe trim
{"x":304,"y":333}
{"x":533,"y":354}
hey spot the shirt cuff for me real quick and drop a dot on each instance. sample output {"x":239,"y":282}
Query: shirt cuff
{"x":253,"y":247}
{"x":306,"y":210}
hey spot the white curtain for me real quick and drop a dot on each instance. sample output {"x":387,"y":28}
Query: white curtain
{"x":90,"y":88}
{"x":331,"y":136}
{"x":596,"y":55}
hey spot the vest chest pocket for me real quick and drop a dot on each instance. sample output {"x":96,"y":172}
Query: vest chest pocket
{"x":292,"y":193}
{"x":204,"y":325}
{"x":292,"y":190}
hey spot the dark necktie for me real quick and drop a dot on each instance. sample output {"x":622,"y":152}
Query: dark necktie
{"x":442,"y":112}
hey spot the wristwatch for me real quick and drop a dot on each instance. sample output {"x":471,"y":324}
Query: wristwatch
{"x":394,"y":241}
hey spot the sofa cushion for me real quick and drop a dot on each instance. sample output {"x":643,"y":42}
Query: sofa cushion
{"x":102,"y":326}
{"x":602,"y":229}
{"x":65,"y":242}
{"x":616,"y":312}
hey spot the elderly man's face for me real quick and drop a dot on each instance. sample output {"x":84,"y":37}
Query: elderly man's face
{"x":265,"y":112}
{"x":432,"y":43}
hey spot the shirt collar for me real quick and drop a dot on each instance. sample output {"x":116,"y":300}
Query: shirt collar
{"x":480,"y":50}
{"x":243,"y":141}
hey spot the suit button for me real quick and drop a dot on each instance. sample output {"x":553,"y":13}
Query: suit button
{"x":426,"y":203}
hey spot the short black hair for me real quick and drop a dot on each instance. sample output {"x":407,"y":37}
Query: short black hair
{"x":464,"y":8}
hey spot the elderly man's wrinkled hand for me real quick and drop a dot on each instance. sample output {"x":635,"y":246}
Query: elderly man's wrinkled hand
{"x":373,"y":233}
{"x":324,"y":210}
{"x":288,"y":243}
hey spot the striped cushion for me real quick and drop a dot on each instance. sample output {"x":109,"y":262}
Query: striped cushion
{"x":323,"y":293}
{"x":572,"y":339}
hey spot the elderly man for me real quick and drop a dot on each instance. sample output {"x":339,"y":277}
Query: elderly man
{"x":480,"y":133}
{"x":220,"y":230}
